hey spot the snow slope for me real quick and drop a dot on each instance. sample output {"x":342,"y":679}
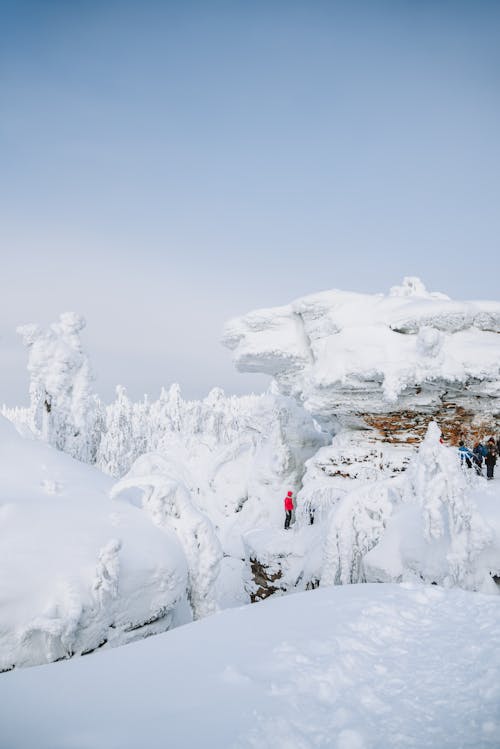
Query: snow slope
{"x":352,"y":667}
{"x":77,"y":569}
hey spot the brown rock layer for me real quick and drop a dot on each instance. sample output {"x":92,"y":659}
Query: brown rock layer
{"x":456,"y":423}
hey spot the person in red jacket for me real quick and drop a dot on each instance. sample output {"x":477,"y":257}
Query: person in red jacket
{"x":288,"y":509}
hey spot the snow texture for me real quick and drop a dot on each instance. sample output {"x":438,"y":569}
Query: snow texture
{"x":352,"y":667}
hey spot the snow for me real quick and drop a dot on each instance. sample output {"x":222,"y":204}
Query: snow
{"x":359,"y":666}
{"x":77,"y":569}
{"x":339,"y":352}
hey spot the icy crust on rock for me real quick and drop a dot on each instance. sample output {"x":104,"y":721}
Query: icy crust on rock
{"x":343,"y":352}
{"x":77,"y":570}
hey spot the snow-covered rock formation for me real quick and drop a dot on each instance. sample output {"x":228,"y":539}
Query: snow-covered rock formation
{"x":391,"y":363}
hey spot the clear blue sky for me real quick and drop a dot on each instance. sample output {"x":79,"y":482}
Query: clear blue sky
{"x":167,"y":165}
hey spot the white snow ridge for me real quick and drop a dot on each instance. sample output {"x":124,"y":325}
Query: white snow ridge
{"x":123,"y":520}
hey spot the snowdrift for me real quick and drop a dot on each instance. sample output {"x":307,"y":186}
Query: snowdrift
{"x":352,"y":667}
{"x":77,"y":569}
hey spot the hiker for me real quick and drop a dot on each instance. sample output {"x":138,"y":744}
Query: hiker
{"x":288,"y":509}
{"x":465,"y":455}
{"x":491,"y":458}
{"x":480,"y":452}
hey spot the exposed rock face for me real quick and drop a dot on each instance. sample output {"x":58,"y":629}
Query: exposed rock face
{"x":387,"y":363}
{"x":263,"y":579}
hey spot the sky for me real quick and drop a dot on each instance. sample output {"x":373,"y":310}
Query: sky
{"x":165,"y":166}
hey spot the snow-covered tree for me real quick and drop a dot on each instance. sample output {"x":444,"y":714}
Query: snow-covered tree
{"x":63,"y":407}
{"x":167,"y":499}
{"x":454,"y":531}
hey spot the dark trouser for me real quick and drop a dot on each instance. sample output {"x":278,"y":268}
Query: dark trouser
{"x":489,"y":470}
{"x":288,"y":517}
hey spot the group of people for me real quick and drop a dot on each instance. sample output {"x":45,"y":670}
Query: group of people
{"x":480,"y":454}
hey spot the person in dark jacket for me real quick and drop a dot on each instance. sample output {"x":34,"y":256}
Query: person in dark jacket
{"x":288,"y":502}
{"x":491,"y":458}
{"x":480,"y":452}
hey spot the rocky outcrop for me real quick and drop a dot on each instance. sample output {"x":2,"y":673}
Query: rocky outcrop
{"x":262,"y":581}
{"x":389,"y":364}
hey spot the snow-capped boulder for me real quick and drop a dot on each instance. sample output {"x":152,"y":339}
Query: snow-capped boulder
{"x":77,"y":569}
{"x":391,"y":363}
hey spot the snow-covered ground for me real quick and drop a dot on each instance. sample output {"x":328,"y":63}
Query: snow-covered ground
{"x":77,"y":569}
{"x":349,"y":667}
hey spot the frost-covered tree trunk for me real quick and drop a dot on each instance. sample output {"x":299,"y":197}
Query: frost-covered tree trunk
{"x":64,"y":410}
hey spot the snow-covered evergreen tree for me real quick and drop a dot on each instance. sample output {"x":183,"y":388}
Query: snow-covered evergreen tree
{"x":64,"y":410}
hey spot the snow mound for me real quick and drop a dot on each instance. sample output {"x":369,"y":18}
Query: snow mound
{"x":342,"y":352}
{"x":77,"y":570}
{"x":358,"y":666}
